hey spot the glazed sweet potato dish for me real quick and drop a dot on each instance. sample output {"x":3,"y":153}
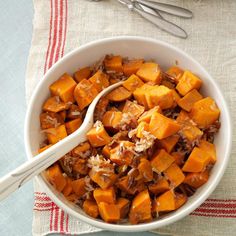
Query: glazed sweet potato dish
{"x":151,"y":145}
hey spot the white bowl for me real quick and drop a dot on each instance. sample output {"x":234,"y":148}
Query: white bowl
{"x":133,"y":47}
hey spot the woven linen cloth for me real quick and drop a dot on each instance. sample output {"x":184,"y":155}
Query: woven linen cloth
{"x":63,"y":25}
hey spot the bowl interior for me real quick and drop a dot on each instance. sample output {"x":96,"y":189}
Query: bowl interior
{"x":131,"y":47}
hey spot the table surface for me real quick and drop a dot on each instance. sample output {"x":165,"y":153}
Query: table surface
{"x":15,"y":38}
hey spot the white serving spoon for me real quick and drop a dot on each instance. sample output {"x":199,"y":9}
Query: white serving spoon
{"x":16,"y":178}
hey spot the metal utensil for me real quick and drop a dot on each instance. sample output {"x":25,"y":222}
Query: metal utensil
{"x":153,"y":18}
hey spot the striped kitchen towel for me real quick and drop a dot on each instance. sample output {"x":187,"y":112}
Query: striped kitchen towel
{"x":63,"y":25}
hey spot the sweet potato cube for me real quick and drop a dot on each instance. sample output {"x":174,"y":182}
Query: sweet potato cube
{"x":72,"y":198}
{"x":83,"y":147}
{"x":150,"y":71}
{"x":196,"y":180}
{"x":98,"y":136}
{"x":180,"y":199}
{"x":113,"y":63}
{"x":64,"y":88}
{"x":106,"y":151}
{"x":162,"y":127}
{"x":73,"y":112}
{"x":188,"y":82}
{"x":209,"y":148}
{"x":119,"y":94}
{"x":84,"y":93}
{"x":44,"y":148}
{"x":168,"y":143}
{"x":175,"y":72}
{"x":54,"y":135}
{"x":191,"y":132}
{"x":184,"y":119}
{"x":139,"y":94}
{"x":146,"y":116}
{"x":179,"y":158}
{"x":145,"y":170}
{"x":141,"y":208}
{"x":54,"y":104}
{"x":50,"y":120}
{"x":79,"y":187}
{"x":189,"y":99}
{"x":103,"y":179}
{"x":197,"y":161}
{"x":159,"y":187}
{"x":73,"y":125}
{"x":176,"y":97}
{"x":83,"y":73}
{"x":161,"y":161}
{"x":205,"y":112}
{"x":133,"y":108}
{"x":111,"y":119}
{"x":123,"y":153}
{"x":142,"y":126}
{"x":68,"y":187}
{"x":109,"y":212}
{"x":132,"y":66}
{"x":104,"y":195}
{"x":55,"y":177}
{"x":99,"y":80}
{"x":123,"y":205}
{"x":160,"y":96}
{"x":91,"y":208}
{"x":132,"y":83}
{"x":174,"y":174}
{"x":165,"y":202}
{"x":80,"y":166}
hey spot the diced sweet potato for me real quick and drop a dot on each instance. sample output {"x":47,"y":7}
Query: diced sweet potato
{"x":72,"y":198}
{"x":91,"y":208}
{"x":119,"y":94}
{"x":146,"y":116}
{"x":145,"y":170}
{"x":64,"y":88}
{"x":101,"y":108}
{"x":100,"y":80}
{"x":160,"y":96}
{"x":73,"y":125}
{"x":179,"y":158}
{"x":196,"y":180}
{"x":84,"y":93}
{"x":180,"y":199}
{"x":50,"y":120}
{"x":176,"y":97}
{"x":174,"y":174}
{"x":189,"y":99}
{"x":80,"y":167}
{"x":190,"y":132}
{"x":79,"y":187}
{"x":123,"y":153}
{"x":111,"y":119}
{"x":98,"y":136}
{"x":188,"y":82}
{"x":83,"y":73}
{"x":132,"y":83}
{"x":168,"y":143}
{"x":150,"y":71}
{"x":103,"y":179}
{"x":184,"y":119}
{"x":141,"y":208}
{"x":55,"y":177}
{"x":44,"y":148}
{"x":113,"y":63}
{"x":132,"y":66}
{"x":161,"y":161}
{"x":133,"y":108}
{"x":104,"y":195}
{"x":162,"y":127}
{"x":159,"y":187}
{"x":165,"y":202}
{"x":205,"y":112}
{"x":54,"y":135}
{"x":68,"y":187}
{"x":197,"y":161}
{"x":142,"y":126}
{"x":209,"y":148}
{"x":81,"y":148}
{"x":109,"y":212}
{"x":123,"y":205}
{"x":106,"y":151}
{"x":175,"y":72}
{"x":54,"y":104}
{"x":74,"y":112}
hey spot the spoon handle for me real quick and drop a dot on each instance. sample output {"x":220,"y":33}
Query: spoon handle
{"x":170,"y":9}
{"x":15,"y":179}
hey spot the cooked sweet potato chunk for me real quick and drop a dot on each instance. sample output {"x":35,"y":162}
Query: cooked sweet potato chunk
{"x":174,"y":174}
{"x":80,"y":167}
{"x":111,"y":119}
{"x":166,"y":202}
{"x":100,"y":80}
{"x":175,"y":72}
{"x":54,"y":104}
{"x":133,"y":108}
{"x":132,"y":66}
{"x":54,"y":135}
{"x":141,"y":128}
{"x":83,"y":73}
{"x":168,"y":143}
{"x":50,"y":120}
{"x":104,"y":195}
{"x":132,"y":83}
{"x":210,"y":149}
{"x":91,"y":208}
{"x":68,"y":187}
{"x":64,"y":88}
{"x":73,"y":125}
{"x":79,"y":187}
{"x":119,"y":94}
{"x":179,"y":158}
{"x":109,"y":212}
{"x":196,"y":180}
{"x":145,"y":170}
{"x":159,"y":187}
{"x":113,"y":63}
{"x":146,"y":116}
{"x":74,"y":112}
{"x":180,"y":199}
{"x":123,"y":205}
